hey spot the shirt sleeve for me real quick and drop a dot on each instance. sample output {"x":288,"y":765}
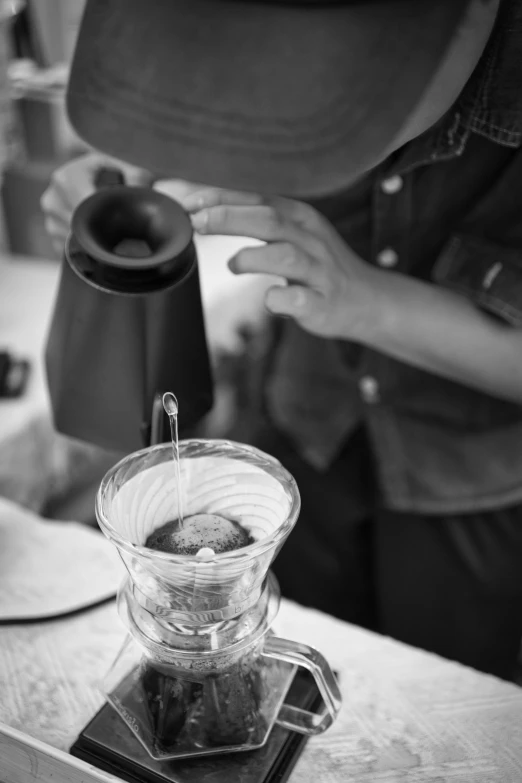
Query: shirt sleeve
{"x":488,"y":273}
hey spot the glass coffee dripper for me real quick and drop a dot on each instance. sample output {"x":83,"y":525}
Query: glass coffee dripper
{"x":201,"y":671}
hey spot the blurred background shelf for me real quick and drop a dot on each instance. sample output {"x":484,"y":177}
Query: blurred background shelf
{"x":37,"y":39}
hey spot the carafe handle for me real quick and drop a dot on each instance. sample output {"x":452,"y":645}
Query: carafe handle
{"x":295,"y":718}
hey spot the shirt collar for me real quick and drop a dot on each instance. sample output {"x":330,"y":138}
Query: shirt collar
{"x":490,"y":104}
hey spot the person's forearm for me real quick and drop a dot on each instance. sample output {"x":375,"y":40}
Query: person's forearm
{"x":439,"y":331}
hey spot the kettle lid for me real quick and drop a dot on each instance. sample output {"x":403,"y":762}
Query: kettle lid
{"x":131,"y":235}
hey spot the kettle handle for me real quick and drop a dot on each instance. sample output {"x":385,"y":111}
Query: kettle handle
{"x":309,"y":658}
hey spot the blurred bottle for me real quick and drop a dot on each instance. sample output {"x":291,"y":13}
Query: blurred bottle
{"x":55,"y":24}
{"x":9,"y":138}
{"x":42,"y":35}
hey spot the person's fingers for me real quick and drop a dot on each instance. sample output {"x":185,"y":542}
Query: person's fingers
{"x":73,"y":182}
{"x":296,"y":211}
{"x":58,"y":232}
{"x":177,"y":189}
{"x":57,"y":229}
{"x":280,"y":258}
{"x":266,"y":223}
{"x":295,"y":301}
{"x":69,"y":185}
{"x":53,"y":205}
{"x":204,"y":198}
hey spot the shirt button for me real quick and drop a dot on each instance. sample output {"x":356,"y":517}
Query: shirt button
{"x":369,"y":389}
{"x":387,"y":258}
{"x":392,"y":185}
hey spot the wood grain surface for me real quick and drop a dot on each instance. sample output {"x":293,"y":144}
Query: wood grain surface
{"x":407,"y":716}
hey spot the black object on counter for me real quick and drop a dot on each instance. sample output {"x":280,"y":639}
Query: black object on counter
{"x":14,"y":374}
{"x":109,"y":744}
{"x":128,"y":321}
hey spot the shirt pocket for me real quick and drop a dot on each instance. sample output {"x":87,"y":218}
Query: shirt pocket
{"x":489,"y":274}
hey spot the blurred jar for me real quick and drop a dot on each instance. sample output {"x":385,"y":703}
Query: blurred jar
{"x":56,"y":24}
{"x":38,"y":78}
{"x":9,"y":138}
{"x":39,"y":97}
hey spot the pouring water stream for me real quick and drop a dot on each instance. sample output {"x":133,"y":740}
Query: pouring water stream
{"x":170,"y":406}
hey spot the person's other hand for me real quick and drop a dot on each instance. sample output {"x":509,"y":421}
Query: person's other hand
{"x":71,"y":183}
{"x":331,"y":292}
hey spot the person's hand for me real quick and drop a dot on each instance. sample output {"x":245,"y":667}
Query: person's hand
{"x":331,"y":292}
{"x":178,"y":189}
{"x":71,"y":183}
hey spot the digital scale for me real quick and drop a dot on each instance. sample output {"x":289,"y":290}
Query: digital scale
{"x":108,"y":743}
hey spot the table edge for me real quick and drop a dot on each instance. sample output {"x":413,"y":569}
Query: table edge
{"x":41,"y":763}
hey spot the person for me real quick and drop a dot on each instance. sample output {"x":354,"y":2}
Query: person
{"x":375,"y":150}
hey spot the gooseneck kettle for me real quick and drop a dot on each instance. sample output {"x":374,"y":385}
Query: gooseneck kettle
{"x":128,"y":322}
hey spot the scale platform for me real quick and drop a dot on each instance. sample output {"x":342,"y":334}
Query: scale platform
{"x":108,"y":743}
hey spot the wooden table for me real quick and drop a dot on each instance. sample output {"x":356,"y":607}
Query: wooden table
{"x":407,"y":715}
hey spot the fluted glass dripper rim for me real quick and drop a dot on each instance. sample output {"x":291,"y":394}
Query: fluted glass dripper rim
{"x":188,"y":449}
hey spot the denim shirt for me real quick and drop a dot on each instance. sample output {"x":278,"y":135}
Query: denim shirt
{"x":446,"y":209}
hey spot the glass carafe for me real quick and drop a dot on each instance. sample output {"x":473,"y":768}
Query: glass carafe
{"x":201,"y":671}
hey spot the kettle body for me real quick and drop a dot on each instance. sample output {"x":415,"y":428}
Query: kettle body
{"x":128,"y":321}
